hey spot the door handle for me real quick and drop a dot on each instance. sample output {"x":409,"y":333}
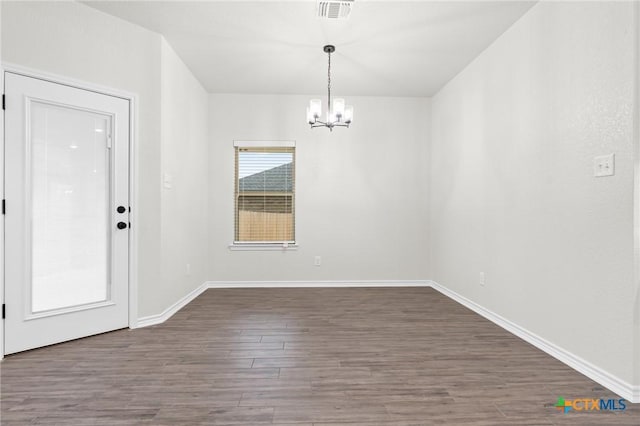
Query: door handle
{"x":121,"y":225}
{"x":121,"y":209}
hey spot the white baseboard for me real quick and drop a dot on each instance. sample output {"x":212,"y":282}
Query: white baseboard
{"x":171,"y":310}
{"x":625,"y":390}
{"x":308,"y":284}
{"x":606,"y":379}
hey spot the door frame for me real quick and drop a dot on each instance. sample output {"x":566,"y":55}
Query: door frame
{"x":132,"y":98}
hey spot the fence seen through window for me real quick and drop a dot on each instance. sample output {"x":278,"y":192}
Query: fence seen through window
{"x":265,"y":195}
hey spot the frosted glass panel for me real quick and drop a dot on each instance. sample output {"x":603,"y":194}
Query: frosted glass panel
{"x":70,"y":207}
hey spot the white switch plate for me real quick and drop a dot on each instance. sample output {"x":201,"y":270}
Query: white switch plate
{"x":604,"y":165}
{"x":482,"y":279}
{"x":317,"y":260}
{"x":167,"y":180}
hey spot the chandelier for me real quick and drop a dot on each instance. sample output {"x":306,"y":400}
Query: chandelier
{"x":338,"y":116}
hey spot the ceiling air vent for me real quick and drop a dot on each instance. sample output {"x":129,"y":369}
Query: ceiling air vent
{"x":333,"y":9}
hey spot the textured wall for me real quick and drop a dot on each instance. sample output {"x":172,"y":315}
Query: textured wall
{"x":184,"y":157}
{"x":512,"y":187}
{"x":360,"y":192}
{"x":76,"y":41}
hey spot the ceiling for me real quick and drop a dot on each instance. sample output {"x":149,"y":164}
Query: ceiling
{"x":385,"y":48}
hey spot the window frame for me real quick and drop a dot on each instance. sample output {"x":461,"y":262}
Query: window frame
{"x":262,"y":245}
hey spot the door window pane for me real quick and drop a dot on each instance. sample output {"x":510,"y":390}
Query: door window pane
{"x":69,"y":207}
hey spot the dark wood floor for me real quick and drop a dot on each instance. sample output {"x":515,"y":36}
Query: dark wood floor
{"x":353,"y":356}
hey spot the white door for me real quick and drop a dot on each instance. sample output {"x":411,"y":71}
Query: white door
{"x":67,"y":213}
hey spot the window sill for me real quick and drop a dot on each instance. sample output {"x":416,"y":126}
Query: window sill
{"x":263,"y":246}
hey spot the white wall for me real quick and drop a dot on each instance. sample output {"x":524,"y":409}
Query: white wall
{"x":73,"y":40}
{"x":184,"y":220}
{"x":512,"y":187}
{"x":506,"y":187}
{"x":360,"y":201}
{"x":76,"y":41}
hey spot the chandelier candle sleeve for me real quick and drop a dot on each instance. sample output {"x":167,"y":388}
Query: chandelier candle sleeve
{"x":316,"y":108}
{"x":338,"y":107}
{"x":338,"y":114}
{"x":348,"y":114}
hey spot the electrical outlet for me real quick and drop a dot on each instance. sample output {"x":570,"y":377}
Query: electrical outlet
{"x":482,"y":279}
{"x":317,"y":260}
{"x":604,"y":165}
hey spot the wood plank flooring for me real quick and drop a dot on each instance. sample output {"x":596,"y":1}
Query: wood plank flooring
{"x":321,"y":357}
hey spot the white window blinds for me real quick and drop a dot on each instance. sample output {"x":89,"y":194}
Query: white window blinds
{"x":264,"y":194}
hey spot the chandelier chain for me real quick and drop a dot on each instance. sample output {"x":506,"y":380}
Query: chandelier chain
{"x":329,"y":83}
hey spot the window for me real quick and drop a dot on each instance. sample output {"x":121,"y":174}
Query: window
{"x":264,"y":192}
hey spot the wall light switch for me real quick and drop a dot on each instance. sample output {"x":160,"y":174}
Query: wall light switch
{"x":167,"y":180}
{"x":317,"y":261}
{"x":604,"y":165}
{"x":482,"y":279}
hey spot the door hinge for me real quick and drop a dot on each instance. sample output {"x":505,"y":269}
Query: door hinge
{"x":3,"y":104}
{"x":4,"y":311}
{"x":4,"y":207}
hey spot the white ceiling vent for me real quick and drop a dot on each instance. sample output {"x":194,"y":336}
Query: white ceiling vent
{"x":333,"y":9}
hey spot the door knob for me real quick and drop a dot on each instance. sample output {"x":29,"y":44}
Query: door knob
{"x":121,"y":209}
{"x":121,"y":225}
